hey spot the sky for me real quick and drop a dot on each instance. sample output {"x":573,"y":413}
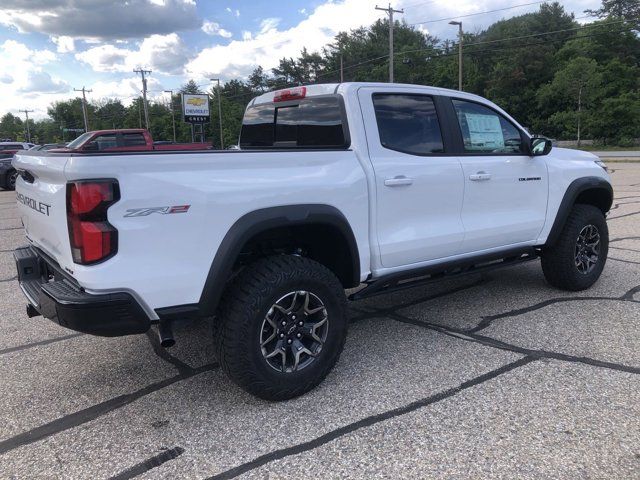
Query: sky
{"x":48,"y":48}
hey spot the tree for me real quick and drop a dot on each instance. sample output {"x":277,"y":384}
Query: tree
{"x":574,"y":88}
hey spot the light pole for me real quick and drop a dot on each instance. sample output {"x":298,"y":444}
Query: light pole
{"x":459,"y":52}
{"x":219,"y":111}
{"x":173,"y":117}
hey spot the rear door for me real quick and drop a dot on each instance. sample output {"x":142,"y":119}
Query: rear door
{"x":419,"y":187}
{"x":41,"y":198}
{"x":506,"y":189}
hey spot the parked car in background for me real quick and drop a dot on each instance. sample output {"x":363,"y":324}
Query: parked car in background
{"x":7,"y":149}
{"x":125,"y":140}
{"x":7,"y":172}
{"x":47,"y":146}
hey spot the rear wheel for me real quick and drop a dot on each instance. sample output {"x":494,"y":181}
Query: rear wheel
{"x":577,"y":259}
{"x":281,"y":326}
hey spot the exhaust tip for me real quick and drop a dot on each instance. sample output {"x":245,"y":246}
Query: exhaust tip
{"x":165,"y":332}
{"x":31,"y":311}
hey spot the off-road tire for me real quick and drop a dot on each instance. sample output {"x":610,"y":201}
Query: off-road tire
{"x":239,"y":322}
{"x":558,"y":260}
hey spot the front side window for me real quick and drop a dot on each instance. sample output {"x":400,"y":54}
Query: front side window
{"x":408,"y":123}
{"x":486,"y":131}
{"x":105,"y":142}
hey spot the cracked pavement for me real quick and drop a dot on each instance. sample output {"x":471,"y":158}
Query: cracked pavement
{"x":494,"y":375}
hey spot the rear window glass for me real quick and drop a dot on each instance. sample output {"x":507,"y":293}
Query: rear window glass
{"x":134,"y":140}
{"x":311,"y":123}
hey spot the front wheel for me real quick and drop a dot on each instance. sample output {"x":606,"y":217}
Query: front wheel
{"x":12,"y":176}
{"x":281,"y":326}
{"x":577,"y":259}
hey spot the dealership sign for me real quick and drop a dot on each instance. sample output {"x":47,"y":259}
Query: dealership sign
{"x":195,"y":108}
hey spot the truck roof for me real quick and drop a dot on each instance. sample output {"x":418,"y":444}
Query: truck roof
{"x":332,"y":88}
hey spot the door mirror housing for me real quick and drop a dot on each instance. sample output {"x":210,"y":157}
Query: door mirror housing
{"x":539,"y":146}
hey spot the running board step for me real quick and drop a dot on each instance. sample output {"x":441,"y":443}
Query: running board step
{"x":413,"y":278}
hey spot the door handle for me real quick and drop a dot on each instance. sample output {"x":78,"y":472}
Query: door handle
{"x":398,"y":181}
{"x":480,"y":176}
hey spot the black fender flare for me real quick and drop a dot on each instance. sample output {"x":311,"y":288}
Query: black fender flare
{"x":574,"y":189}
{"x":253,"y":223}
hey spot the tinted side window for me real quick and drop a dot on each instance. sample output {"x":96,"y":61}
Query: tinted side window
{"x":134,"y":140}
{"x":105,"y":141}
{"x":408,"y":123}
{"x":486,"y":131}
{"x":315,"y":122}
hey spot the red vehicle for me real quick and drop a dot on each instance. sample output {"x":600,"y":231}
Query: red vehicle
{"x":126,"y":140}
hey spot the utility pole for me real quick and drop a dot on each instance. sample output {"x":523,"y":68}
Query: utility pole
{"x":390,"y":11}
{"x":26,"y":114}
{"x":144,"y":94}
{"x":173,"y":117}
{"x":219,"y":111}
{"x":341,"y":70}
{"x":459,"y":52}
{"x":84,"y":106}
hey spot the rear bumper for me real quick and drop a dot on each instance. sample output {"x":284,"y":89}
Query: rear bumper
{"x":56,"y":296}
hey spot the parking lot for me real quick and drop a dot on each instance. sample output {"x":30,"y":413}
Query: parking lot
{"x":493,"y":375}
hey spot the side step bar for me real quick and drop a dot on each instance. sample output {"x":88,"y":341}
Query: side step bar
{"x":413,"y":278}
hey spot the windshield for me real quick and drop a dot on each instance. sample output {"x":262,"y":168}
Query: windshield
{"x":79,"y":141}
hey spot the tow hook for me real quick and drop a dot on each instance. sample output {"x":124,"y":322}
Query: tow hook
{"x":165,"y":332}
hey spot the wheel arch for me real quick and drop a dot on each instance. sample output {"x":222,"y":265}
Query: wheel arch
{"x":596,"y":191}
{"x":258,"y":222}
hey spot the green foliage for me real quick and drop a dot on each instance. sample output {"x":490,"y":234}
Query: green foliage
{"x":551,"y":83}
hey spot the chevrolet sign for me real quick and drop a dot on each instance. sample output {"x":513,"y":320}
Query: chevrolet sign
{"x":195,"y":108}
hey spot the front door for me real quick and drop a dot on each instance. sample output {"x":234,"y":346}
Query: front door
{"x":506,"y":189}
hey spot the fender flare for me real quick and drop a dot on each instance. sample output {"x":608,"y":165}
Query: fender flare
{"x":574,"y":189}
{"x":258,"y":221}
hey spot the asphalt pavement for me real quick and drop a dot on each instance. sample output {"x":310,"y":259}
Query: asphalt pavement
{"x":487,"y":376}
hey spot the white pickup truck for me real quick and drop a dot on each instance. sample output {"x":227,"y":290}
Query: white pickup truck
{"x":377,"y":186}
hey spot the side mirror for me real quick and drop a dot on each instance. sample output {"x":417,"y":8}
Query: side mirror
{"x":540,"y":146}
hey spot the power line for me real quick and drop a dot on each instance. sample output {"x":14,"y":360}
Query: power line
{"x":474,"y":14}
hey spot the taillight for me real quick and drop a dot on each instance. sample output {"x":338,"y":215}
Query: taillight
{"x":296,"y":93}
{"x":93,"y":239}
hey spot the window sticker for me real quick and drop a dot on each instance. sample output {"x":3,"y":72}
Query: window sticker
{"x":485,"y":132}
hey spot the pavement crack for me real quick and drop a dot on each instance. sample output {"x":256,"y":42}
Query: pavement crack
{"x":15,"y":277}
{"x":93,"y":412}
{"x":631,"y":262}
{"x":499,"y":344}
{"x":626,"y":249}
{"x":162,"y":352}
{"x":480,"y":281}
{"x":620,"y":239}
{"x":149,"y":464}
{"x":622,"y":216}
{"x":489,"y":319}
{"x":368,"y":421}
{"x":38,"y":344}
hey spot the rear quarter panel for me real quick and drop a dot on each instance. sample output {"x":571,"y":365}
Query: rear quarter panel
{"x":164,"y":259}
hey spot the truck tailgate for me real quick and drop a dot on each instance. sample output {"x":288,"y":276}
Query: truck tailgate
{"x":41,"y":198}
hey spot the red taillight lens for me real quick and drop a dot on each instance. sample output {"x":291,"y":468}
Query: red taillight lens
{"x":93,"y":239}
{"x":296,"y":93}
